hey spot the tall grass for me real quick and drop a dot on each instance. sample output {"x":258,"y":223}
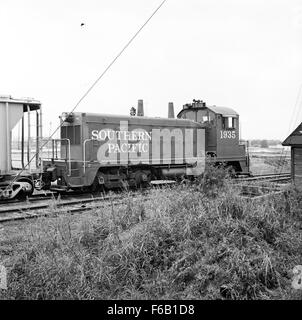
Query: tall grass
{"x":186,"y":242}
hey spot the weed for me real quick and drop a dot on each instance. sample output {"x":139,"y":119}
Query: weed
{"x":180,"y":243}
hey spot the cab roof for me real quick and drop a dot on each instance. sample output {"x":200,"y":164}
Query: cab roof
{"x":224,"y":111}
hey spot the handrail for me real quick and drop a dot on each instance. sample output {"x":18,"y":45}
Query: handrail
{"x":68,"y":159}
{"x":69,"y":155}
{"x":84,"y":154}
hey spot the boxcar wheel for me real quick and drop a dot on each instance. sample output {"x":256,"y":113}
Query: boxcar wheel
{"x":22,"y":195}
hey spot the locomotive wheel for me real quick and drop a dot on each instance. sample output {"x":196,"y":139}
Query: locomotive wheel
{"x":142,"y":179}
{"x":231,"y":171}
{"x":98,"y":183}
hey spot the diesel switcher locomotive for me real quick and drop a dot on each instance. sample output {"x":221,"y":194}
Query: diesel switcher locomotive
{"x":103,"y":151}
{"x":110,"y":151}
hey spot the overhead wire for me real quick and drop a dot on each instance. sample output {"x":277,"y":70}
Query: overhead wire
{"x":90,"y":88}
{"x":292,"y":124}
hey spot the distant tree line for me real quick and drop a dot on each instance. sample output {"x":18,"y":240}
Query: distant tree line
{"x":264,"y":143}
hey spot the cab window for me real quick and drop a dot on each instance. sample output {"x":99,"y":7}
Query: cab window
{"x":228,"y":123}
{"x":191,"y":115}
{"x":206,"y":116}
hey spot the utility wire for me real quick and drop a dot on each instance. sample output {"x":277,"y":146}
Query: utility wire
{"x":295,"y":111}
{"x":295,"y":115}
{"x":92,"y":86}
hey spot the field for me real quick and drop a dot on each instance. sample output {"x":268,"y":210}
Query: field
{"x":199,"y":241}
{"x":269,"y":160}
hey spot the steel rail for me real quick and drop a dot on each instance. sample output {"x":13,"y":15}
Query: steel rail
{"x":18,"y":213}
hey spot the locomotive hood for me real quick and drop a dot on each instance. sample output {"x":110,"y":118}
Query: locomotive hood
{"x":78,"y":117}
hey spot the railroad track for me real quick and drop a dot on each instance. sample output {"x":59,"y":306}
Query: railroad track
{"x":76,"y":202}
{"x":41,"y":196}
{"x":256,"y":187}
{"x":71,"y":201}
{"x":32,"y":198}
{"x":27,"y":211}
{"x":275,"y":177}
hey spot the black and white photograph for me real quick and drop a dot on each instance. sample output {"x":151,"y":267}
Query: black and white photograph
{"x":151,"y":153}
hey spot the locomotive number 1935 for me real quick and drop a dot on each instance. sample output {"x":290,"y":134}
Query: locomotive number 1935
{"x":227,"y":134}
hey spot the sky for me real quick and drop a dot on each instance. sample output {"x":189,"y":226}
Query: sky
{"x":243,"y":54}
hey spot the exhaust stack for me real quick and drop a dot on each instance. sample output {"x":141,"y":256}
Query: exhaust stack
{"x":170,"y":110}
{"x":140,"y":108}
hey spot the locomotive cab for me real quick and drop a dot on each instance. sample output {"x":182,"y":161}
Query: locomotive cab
{"x":222,"y":140}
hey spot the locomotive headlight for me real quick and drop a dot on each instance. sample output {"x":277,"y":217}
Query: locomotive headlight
{"x":64,"y":116}
{"x":67,"y":117}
